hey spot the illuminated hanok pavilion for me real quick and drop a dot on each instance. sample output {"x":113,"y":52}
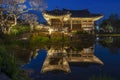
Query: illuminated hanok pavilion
{"x":71,"y":20}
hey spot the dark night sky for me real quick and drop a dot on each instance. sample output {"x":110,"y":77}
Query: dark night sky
{"x":105,"y":7}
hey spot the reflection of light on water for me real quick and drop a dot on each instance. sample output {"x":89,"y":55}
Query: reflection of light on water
{"x":84,"y":62}
{"x":60,"y":59}
{"x":111,"y":39}
{"x":97,"y":38}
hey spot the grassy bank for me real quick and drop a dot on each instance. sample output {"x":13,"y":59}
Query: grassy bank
{"x":9,"y":66}
{"x":40,"y":38}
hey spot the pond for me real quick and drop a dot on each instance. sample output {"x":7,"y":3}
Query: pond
{"x":84,"y":60}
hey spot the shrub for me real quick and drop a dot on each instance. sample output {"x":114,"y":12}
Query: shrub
{"x":80,"y":32}
{"x":18,"y":29}
{"x":35,"y":39}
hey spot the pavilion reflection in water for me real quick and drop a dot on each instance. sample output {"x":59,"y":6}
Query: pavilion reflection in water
{"x":56,"y":60}
{"x":62,"y":59}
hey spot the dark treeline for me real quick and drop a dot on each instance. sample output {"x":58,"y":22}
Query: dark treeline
{"x":110,"y":25}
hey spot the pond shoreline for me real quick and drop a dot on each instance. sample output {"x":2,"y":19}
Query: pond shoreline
{"x":108,"y":35}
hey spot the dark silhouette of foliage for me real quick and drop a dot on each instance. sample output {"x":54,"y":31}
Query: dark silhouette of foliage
{"x":112,"y":21}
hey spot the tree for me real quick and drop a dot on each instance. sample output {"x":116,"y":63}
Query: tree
{"x":108,"y":28}
{"x":15,"y":8}
{"x":113,"y":23}
{"x":31,"y":19}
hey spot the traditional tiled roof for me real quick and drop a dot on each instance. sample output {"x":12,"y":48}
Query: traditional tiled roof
{"x":57,"y":12}
{"x":82,"y":13}
{"x":74,"y":13}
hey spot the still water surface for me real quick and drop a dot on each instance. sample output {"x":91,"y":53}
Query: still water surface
{"x":77,"y":61}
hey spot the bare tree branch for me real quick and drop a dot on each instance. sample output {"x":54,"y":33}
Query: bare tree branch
{"x":14,"y":9}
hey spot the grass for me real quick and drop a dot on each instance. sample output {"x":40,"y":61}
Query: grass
{"x":9,"y":67}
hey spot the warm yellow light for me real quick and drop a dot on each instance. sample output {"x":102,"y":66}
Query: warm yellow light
{"x":50,"y":30}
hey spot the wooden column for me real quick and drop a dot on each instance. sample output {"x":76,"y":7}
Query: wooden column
{"x":61,"y":20}
{"x":71,"y":27}
{"x":81,"y":24}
